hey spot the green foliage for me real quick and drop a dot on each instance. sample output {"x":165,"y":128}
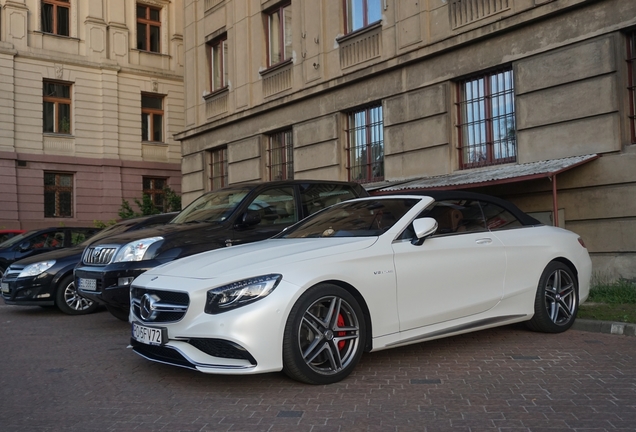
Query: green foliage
{"x":146,"y":207}
{"x":102,"y":224}
{"x":173,"y":201}
{"x":619,"y":292}
{"x":610,"y":300}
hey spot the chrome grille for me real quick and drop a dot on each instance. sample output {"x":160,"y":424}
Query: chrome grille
{"x":98,"y":255}
{"x":165,"y":306}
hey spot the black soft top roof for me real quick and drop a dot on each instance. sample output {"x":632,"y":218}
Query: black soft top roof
{"x":440,"y":195}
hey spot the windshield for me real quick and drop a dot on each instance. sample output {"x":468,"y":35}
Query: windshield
{"x":366,"y":218}
{"x":212,"y":207}
{"x":17,"y":239}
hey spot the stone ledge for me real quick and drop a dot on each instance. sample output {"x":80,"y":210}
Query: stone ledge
{"x":609,"y":327}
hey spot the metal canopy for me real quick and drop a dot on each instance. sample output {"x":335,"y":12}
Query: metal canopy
{"x":487,"y":176}
{"x":490,"y":176}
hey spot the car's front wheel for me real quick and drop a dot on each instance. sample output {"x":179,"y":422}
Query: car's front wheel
{"x":324,"y":336}
{"x":557,"y":300}
{"x":69,"y":301}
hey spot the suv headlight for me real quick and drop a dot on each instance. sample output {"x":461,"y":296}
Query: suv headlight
{"x":135,"y":251}
{"x":36,"y":268}
{"x":240,"y":293}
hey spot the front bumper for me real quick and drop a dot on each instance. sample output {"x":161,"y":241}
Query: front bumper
{"x":246,"y":340}
{"x":29,"y":291}
{"x":107,"y":289}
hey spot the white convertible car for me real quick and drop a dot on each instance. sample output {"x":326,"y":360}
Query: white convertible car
{"x":362,"y":275}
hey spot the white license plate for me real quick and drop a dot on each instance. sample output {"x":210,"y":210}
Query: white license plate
{"x":5,"y":287}
{"x":87,"y":284}
{"x":147,"y":335}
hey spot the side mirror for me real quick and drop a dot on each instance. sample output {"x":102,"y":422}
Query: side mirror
{"x":250,"y":218}
{"x":24,"y":246}
{"x":423,"y":228}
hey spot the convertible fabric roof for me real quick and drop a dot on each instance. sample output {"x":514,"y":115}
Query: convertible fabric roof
{"x":485,"y":176}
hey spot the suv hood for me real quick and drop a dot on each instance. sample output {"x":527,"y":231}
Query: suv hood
{"x":178,"y":234}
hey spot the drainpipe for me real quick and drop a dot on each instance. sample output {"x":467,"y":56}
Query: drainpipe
{"x":555,"y":204}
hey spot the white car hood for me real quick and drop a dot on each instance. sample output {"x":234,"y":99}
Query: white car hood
{"x":262,"y":254}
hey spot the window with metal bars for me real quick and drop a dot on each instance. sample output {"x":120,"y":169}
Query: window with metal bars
{"x":281,"y":155}
{"x":154,"y":188}
{"x":361,"y":13}
{"x":486,"y":119}
{"x":148,"y":28}
{"x":56,"y":115}
{"x":218,"y":168}
{"x":631,"y":87}
{"x":151,"y":118}
{"x":218,"y":64}
{"x":279,"y":34}
{"x":365,"y":145}
{"x":58,"y":195}
{"x":55,"y":17}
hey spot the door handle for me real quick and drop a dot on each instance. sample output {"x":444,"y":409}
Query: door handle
{"x":483,"y":241}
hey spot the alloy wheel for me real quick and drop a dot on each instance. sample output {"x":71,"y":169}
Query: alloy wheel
{"x":560,"y":297}
{"x":329,"y":335}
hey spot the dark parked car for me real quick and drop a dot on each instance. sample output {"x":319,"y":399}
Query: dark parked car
{"x":47,"y":279}
{"x":40,"y":241}
{"x":229,"y":216}
{"x":6,"y":234}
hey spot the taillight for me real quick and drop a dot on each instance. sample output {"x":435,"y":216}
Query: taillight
{"x":582,"y":242}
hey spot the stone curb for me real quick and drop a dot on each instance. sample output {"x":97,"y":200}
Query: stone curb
{"x":609,"y":327}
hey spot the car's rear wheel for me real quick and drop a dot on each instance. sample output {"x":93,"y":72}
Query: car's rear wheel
{"x":118,"y":313}
{"x":324,"y":336}
{"x":557,"y":301}
{"x":69,"y":301}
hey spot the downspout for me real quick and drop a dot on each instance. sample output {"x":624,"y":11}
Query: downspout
{"x":555,"y":204}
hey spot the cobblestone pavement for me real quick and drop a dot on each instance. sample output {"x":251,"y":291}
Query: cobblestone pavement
{"x":63,"y":373}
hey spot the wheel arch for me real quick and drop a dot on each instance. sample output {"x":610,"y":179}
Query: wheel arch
{"x":368,"y":343}
{"x":60,"y":275}
{"x":571,"y":266}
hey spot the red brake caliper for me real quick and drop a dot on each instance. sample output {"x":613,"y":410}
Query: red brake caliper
{"x":341,"y":323}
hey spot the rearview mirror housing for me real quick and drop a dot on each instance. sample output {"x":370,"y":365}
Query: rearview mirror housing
{"x":423,"y":228}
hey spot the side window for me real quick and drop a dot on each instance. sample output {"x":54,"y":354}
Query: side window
{"x":452,"y":216}
{"x":78,"y":237}
{"x":48,"y":240}
{"x":276,"y":206}
{"x":316,"y":197}
{"x":498,"y":218}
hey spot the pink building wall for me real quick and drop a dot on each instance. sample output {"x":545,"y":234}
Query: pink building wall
{"x":99,"y":187}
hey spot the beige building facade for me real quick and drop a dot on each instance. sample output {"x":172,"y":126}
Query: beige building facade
{"x":409,"y":95}
{"x":91,"y":94}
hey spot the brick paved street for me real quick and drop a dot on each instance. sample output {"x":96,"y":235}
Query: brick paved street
{"x":62,"y":373}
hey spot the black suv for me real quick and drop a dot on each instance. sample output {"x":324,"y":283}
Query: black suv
{"x":230,"y":216}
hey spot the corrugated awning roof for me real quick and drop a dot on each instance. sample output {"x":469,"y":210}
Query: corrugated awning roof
{"x":487,"y":176}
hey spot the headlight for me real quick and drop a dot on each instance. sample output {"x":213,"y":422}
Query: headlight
{"x":240,"y":293}
{"x":36,"y":269}
{"x":135,"y":251}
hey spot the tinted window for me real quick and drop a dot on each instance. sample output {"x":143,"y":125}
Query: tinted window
{"x":318,"y":196}
{"x":498,"y":218}
{"x":452,"y":216}
{"x":79,"y":236}
{"x":275,"y":206}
